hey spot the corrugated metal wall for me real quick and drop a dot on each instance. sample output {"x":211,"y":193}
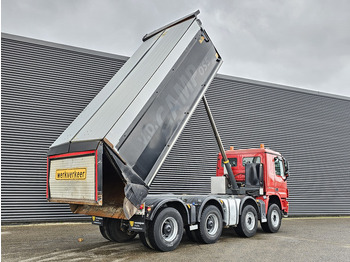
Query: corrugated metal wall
{"x":45,"y":86}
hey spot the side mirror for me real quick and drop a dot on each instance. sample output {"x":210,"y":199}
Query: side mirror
{"x":286,"y":168}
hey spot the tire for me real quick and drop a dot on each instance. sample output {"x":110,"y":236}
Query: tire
{"x":145,"y":239}
{"x":119,"y":233}
{"x":104,"y":229}
{"x":210,"y":226}
{"x":274,"y":219}
{"x":248,"y":222}
{"x":103,"y":233}
{"x":166,"y":230}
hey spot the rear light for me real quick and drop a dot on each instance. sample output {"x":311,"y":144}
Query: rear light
{"x":141,"y":206}
{"x":149,"y":209}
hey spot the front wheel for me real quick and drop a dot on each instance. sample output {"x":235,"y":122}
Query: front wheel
{"x":166,"y":230}
{"x":248,"y":223}
{"x":274,"y":218}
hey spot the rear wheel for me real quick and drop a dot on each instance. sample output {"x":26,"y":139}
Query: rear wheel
{"x":145,"y":239}
{"x":210,"y":226}
{"x":274,"y":219}
{"x":248,"y":223}
{"x":103,"y":233}
{"x":166,"y":230}
{"x":118,"y":231}
{"x":104,"y":229}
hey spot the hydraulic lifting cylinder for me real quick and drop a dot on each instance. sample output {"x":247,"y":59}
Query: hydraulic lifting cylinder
{"x":227,"y":164}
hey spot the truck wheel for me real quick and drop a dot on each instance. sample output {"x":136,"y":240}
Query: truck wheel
{"x":210,"y":226}
{"x":104,"y":229}
{"x":166,"y":230}
{"x":103,"y":233}
{"x":274,"y":219}
{"x":248,"y":222}
{"x":145,"y":239}
{"x":118,"y":232}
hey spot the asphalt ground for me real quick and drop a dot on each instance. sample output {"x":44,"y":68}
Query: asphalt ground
{"x":299,"y":239}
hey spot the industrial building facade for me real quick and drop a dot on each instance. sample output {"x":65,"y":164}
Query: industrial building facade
{"x":46,"y":85}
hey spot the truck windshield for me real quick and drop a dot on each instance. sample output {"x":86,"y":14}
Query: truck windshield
{"x":233,"y":161}
{"x":252,"y":159}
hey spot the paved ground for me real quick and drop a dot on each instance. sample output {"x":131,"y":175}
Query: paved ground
{"x":299,"y":239}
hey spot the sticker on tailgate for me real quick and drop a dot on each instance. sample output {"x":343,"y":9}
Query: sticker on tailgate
{"x":71,"y":174}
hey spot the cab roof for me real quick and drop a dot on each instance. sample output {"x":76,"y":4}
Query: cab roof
{"x":251,"y":151}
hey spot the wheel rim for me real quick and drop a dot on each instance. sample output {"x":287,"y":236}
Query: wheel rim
{"x":212,"y":224}
{"x":169,"y":229}
{"x":250,"y":221}
{"x":275,"y":218}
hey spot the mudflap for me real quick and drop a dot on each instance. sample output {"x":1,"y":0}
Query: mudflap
{"x":262,"y":214}
{"x":137,"y":224}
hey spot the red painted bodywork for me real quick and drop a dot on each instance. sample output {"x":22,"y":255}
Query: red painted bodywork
{"x":274,"y":185}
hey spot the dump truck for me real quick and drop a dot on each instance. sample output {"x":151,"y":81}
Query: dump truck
{"x":104,"y":163}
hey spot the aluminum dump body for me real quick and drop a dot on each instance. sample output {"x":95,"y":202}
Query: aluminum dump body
{"x":137,"y":117}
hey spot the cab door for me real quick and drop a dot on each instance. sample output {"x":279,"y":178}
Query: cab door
{"x":280,"y":178}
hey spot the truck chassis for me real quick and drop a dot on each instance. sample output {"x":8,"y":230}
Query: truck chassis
{"x":160,"y":222}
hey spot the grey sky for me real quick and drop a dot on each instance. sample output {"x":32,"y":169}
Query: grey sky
{"x":298,"y":43}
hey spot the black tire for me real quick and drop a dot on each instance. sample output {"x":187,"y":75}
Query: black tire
{"x":274,"y":219}
{"x":104,"y":229}
{"x":210,"y":226}
{"x":166,"y":230}
{"x":145,"y":239}
{"x":103,"y":233}
{"x":248,"y":222}
{"x":118,"y":232}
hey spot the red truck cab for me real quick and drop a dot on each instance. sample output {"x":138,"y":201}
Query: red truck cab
{"x":275,"y":173}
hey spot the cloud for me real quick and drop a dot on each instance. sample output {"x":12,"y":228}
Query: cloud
{"x":297,"y":43}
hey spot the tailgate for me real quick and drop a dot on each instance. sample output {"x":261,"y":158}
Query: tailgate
{"x":73,"y":178}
